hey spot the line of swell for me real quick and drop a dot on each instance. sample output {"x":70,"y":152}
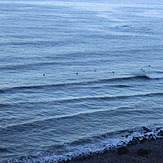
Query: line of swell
{"x":108,"y":97}
{"x":36,"y":43}
{"x":4,"y":105}
{"x":62,"y":100}
{"x":69,"y":84}
{"x":86,"y":98}
{"x":71,"y":99}
{"x":29,"y":66}
{"x":36,"y":123}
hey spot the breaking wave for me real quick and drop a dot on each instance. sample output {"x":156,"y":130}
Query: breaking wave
{"x":155,"y":76}
{"x":89,"y":146}
{"x":128,"y":78}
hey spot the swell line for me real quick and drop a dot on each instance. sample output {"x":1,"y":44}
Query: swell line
{"x":36,"y":43}
{"x":29,"y":65}
{"x":4,"y":90}
{"x":36,"y":123}
{"x":124,"y":110}
{"x":85,"y":98}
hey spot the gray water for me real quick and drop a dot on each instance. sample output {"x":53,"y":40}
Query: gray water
{"x":74,"y":74}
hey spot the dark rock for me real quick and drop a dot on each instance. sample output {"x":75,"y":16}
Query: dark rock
{"x":144,"y":139}
{"x":160,"y":133}
{"x":130,"y":142}
{"x":142,"y":152}
{"x":136,"y":139}
{"x":122,"y":150}
{"x":158,"y":128}
{"x":152,"y":137}
{"x":146,"y":129}
{"x":127,"y":136}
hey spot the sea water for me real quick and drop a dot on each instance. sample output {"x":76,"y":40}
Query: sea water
{"x":76,"y":75}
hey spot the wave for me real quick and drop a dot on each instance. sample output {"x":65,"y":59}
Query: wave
{"x":91,"y":145}
{"x":39,"y":122}
{"x":88,"y":98}
{"x":4,"y":105}
{"x":155,"y":76}
{"x":128,"y":78}
{"x":121,"y":86}
{"x":28,"y":65}
{"x":37,"y":43}
{"x":151,"y":74}
{"x":4,"y":150}
{"x":2,"y":91}
{"x":84,"y":98}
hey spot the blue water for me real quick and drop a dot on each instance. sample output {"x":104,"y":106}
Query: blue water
{"x":74,"y":74}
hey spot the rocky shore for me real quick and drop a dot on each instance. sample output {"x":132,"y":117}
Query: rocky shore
{"x":139,"y":150}
{"x":150,"y":151}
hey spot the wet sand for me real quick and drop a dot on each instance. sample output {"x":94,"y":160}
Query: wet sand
{"x":149,"y":151}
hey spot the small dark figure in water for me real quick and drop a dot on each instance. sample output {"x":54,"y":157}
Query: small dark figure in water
{"x":113,"y":72}
{"x":149,"y":66}
{"x":43,"y":74}
{"x":94,"y":70}
{"x":142,"y":70}
{"x":77,"y":73}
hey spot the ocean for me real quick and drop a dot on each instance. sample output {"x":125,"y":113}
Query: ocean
{"x":77,"y":75}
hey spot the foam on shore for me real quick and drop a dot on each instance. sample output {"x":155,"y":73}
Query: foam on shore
{"x":89,"y":146}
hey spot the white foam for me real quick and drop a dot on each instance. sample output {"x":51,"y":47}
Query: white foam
{"x":155,"y":76}
{"x":96,"y":144}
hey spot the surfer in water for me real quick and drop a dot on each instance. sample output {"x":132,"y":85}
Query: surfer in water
{"x":142,"y":70}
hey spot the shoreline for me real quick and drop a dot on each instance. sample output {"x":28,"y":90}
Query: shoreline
{"x":148,"y":151}
{"x":141,"y":145}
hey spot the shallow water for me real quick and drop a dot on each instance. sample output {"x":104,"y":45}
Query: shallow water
{"x":75,"y":74}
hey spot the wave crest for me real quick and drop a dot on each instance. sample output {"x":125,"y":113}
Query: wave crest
{"x":155,"y":76}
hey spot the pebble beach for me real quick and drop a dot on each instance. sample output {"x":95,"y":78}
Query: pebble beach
{"x":149,"y":151}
